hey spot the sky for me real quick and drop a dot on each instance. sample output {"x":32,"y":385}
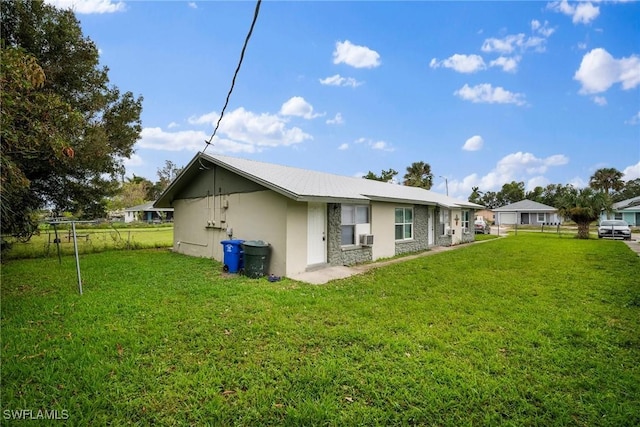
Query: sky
{"x":484,"y":92}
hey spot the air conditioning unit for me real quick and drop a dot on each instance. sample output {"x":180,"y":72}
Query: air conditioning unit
{"x":366,"y":239}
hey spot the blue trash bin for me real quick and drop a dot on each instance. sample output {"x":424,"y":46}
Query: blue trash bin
{"x":233,"y":259}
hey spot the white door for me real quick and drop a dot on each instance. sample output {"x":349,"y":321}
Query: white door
{"x":316,"y":233}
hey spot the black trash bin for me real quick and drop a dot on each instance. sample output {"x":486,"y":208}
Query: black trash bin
{"x":256,"y":258}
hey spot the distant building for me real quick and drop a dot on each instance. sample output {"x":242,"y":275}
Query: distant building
{"x":526,"y":212}
{"x":147,"y":213}
{"x":627,"y":210}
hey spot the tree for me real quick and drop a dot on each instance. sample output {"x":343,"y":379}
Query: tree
{"x":510,"y":193}
{"x":475,"y":196}
{"x":553,"y":193}
{"x":489,"y":200}
{"x":631,"y":189}
{"x":535,"y":194}
{"x":583,"y":207}
{"x":419,"y":175}
{"x":385,"y":176}
{"x":65,"y":131}
{"x":167,"y":174}
{"x":607,"y":179}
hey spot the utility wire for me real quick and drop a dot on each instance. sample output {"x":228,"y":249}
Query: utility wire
{"x":233,"y":81}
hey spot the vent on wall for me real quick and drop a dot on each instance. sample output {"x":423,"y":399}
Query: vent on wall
{"x":366,"y":239}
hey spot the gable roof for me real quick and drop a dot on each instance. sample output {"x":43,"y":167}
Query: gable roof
{"x":526,"y":205}
{"x":309,"y":186}
{"x":632,"y":203}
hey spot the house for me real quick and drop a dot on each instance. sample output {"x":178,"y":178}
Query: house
{"x":310,"y":219}
{"x":488,"y":215}
{"x":627,"y":210}
{"x":526,"y":212}
{"x":148,"y":213}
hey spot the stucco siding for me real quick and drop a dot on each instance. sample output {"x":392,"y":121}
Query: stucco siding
{"x":382,"y":228}
{"x":296,"y":239}
{"x":190,"y":235}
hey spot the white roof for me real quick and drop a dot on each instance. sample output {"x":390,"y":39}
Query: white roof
{"x":526,"y":205}
{"x":307,"y":185}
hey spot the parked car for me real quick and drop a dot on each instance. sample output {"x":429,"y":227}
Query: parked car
{"x":614,"y":228}
{"x":482,"y":226}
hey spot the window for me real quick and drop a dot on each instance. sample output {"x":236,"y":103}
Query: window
{"x":541,"y":217}
{"x":352,"y":215}
{"x":444,"y":221}
{"x":617,"y":215}
{"x":404,"y":223}
{"x":465,"y":221}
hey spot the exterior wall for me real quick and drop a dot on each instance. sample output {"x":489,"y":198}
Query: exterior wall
{"x":337,"y":254}
{"x":383,"y":217}
{"x":526,"y":218}
{"x":200,"y":224}
{"x":631,"y":217}
{"x":295,"y":239}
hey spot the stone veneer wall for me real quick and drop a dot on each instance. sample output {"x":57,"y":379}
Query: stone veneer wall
{"x":420,"y":241}
{"x":337,"y":255}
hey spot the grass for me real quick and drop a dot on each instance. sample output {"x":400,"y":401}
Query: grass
{"x":91,"y":240}
{"x":526,"y":330}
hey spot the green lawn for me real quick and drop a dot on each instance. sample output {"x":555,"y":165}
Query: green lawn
{"x":525,"y":330}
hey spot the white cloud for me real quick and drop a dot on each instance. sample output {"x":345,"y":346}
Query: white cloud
{"x":173,"y":125}
{"x":193,"y":5}
{"x":343,"y":146}
{"x":513,"y":42}
{"x":485,"y":93}
{"x":518,"y":166}
{"x":580,"y":12}
{"x":536,"y":181}
{"x":134,"y":160}
{"x":600,"y":100}
{"x":355,"y":56}
{"x":599,"y":71}
{"x":87,"y":7}
{"x":634,"y":120}
{"x":157,"y":139}
{"x":631,"y":172}
{"x":460,"y":63}
{"x":375,"y":145}
{"x":509,"y":65}
{"x":297,"y":106}
{"x":543,"y":29}
{"x":337,"y":120}
{"x":338,"y":80}
{"x":473,"y":144}
{"x":250,"y":130}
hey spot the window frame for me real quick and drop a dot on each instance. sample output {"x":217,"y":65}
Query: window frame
{"x":404,"y":223}
{"x":465,"y":220}
{"x":544,"y":217}
{"x":354,"y":222}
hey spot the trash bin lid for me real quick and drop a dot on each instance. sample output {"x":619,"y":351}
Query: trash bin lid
{"x":232,"y":242}
{"x":255,"y":243}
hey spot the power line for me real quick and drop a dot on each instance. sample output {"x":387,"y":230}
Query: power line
{"x":233,"y":81}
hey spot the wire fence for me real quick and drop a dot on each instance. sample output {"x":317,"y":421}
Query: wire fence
{"x":90,"y":240}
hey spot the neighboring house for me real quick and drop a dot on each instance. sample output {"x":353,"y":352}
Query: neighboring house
{"x":526,"y":212}
{"x":488,"y":215}
{"x":309,"y":218}
{"x":148,"y":213}
{"x":627,"y":210}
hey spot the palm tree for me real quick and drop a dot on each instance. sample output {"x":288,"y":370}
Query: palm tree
{"x":419,"y":175}
{"x":476,"y":195}
{"x":607,"y":179}
{"x":583,"y":207}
